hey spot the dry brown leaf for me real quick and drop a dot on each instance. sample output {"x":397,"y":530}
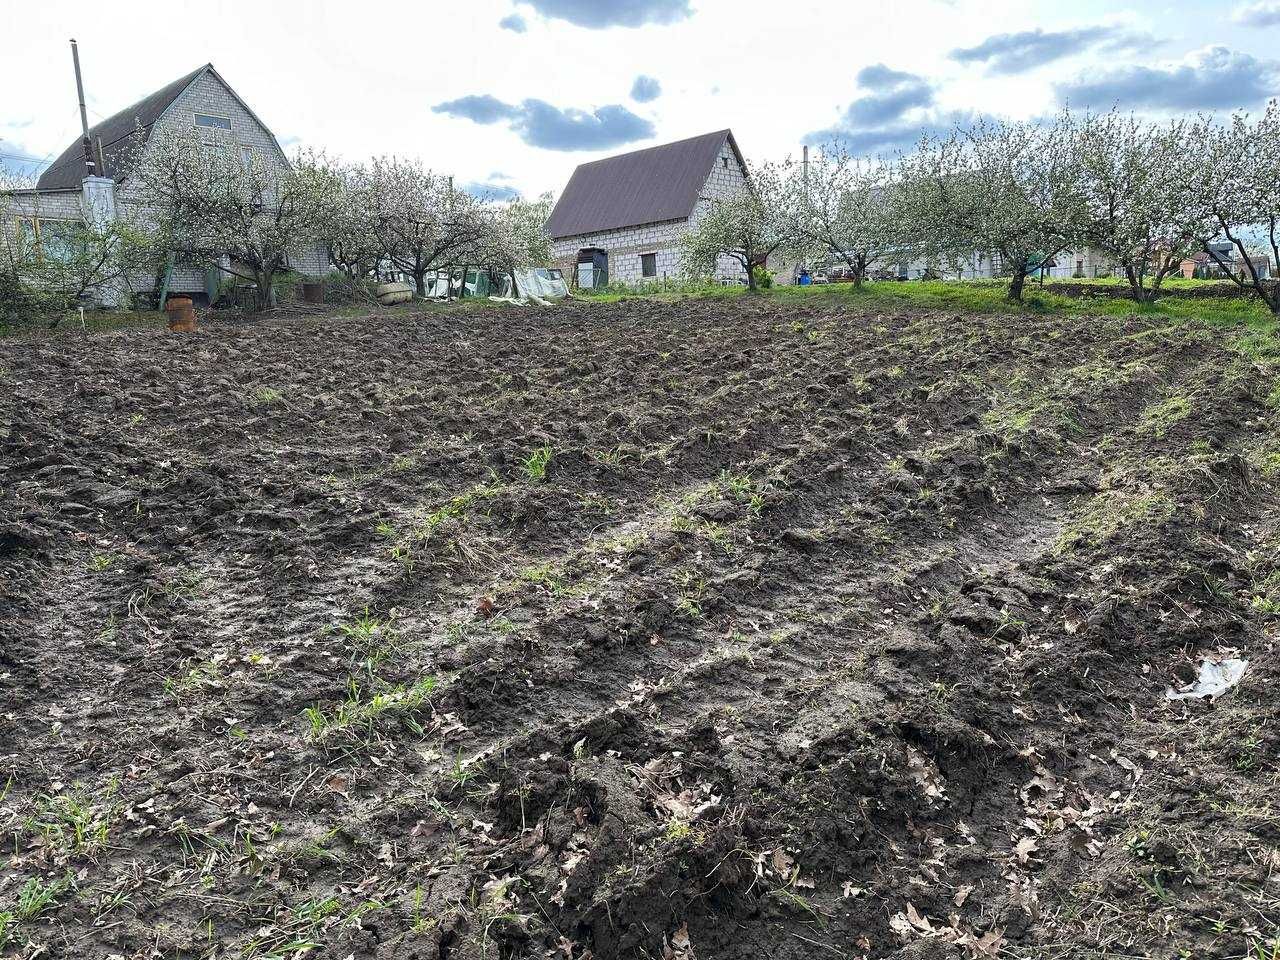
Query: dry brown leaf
{"x":1025,"y":848}
{"x":849,"y":891}
{"x":900,"y":925}
{"x":678,"y":946}
{"x":988,"y":945}
{"x":781,"y":862}
{"x":920,"y":923}
{"x":962,"y":895}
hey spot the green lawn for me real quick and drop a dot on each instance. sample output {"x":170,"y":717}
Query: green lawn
{"x":982,"y":296}
{"x":969,"y":296}
{"x":989,"y":297}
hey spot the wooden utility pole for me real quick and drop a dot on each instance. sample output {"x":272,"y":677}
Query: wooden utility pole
{"x":84,"y":116}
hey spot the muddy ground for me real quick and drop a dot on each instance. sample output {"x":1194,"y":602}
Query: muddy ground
{"x":714,"y":629}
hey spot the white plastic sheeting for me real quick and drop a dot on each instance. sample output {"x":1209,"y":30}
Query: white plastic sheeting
{"x":1216,"y":678}
{"x":536,"y":283}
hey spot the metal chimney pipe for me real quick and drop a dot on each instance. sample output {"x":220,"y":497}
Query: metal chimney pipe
{"x":84,"y":116}
{"x":806,"y":163}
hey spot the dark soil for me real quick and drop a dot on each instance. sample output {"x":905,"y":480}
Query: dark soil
{"x":1224,"y":289}
{"x":714,"y":629}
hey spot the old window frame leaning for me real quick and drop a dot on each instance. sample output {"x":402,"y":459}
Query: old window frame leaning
{"x":653,"y":258}
{"x":35,"y":225}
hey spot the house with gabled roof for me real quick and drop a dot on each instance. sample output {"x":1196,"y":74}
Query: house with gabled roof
{"x":68,"y":192}
{"x":620,"y":218}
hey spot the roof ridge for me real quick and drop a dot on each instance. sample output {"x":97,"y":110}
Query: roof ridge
{"x":650,"y":185}
{"x":138,"y":103}
{"x":116,"y":128}
{"x":657,"y":146}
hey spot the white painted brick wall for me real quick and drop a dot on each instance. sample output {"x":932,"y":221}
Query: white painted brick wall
{"x":206,"y":96}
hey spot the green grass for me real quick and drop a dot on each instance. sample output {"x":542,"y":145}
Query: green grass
{"x":75,"y":822}
{"x":659,"y":290}
{"x":988,"y":296}
{"x":1111,"y":511}
{"x":370,"y":639}
{"x":296,"y":931}
{"x":34,"y":899}
{"x":535,"y":465}
{"x":264,"y":396}
{"x":95,"y":321}
{"x":977,"y":296}
{"x":358,"y":713}
{"x":1160,"y":418}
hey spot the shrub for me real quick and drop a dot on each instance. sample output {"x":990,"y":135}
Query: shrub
{"x":22,"y":302}
{"x":341,"y":287}
{"x":286,"y":286}
{"x":764,"y":279}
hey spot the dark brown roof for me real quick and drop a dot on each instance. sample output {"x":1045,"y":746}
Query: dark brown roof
{"x":645,"y":186}
{"x":121,"y":144}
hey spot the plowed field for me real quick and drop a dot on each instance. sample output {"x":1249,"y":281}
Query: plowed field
{"x":712,"y":629}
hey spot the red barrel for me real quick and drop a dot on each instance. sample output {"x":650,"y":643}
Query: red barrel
{"x":182,"y":314}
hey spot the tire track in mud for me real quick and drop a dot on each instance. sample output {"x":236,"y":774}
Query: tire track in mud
{"x":668,"y":694}
{"x":688,"y":708}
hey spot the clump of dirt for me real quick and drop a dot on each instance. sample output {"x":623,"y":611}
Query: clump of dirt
{"x":685,"y":630}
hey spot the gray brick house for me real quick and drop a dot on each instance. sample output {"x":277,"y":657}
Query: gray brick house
{"x":202,"y":100}
{"x":620,"y":218}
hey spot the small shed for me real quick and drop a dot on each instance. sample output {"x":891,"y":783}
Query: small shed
{"x":620,"y":218}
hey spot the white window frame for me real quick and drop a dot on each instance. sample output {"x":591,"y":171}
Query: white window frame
{"x":649,"y":253}
{"x":229,"y":128}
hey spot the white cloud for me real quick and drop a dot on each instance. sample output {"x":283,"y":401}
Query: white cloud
{"x":1214,"y":78}
{"x":1262,"y":13}
{"x":359,"y":85}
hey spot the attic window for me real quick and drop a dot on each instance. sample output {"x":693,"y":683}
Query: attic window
{"x":217,"y":123}
{"x":725,"y":161}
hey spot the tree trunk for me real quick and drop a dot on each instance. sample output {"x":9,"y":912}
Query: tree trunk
{"x":420,"y":281}
{"x":751,"y":277}
{"x":1135,"y":284}
{"x":1015,"y":286}
{"x":262,"y":295}
{"x":859,"y":272}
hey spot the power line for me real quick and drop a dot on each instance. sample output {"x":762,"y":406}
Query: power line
{"x":47,"y":161}
{"x":31,"y":160}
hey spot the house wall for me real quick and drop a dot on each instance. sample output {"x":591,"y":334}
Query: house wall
{"x":625,"y":245}
{"x":974,"y":266}
{"x":55,"y":205}
{"x":980,"y":266}
{"x":1086,"y":261}
{"x":207,"y":95}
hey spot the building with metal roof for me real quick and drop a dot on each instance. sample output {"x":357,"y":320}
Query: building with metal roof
{"x":71,"y":191}
{"x":620,"y":218}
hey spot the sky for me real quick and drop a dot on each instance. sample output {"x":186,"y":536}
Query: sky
{"x":508,"y":97}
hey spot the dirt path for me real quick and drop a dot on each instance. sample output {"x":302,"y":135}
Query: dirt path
{"x":714,"y":630}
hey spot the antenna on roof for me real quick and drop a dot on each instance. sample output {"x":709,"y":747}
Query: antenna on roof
{"x":84,"y":116}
